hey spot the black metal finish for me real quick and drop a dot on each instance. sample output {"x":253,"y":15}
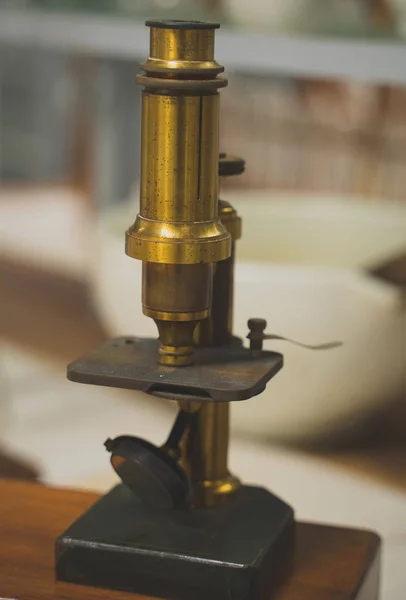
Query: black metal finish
{"x":150,"y":472}
{"x":180,"y":24}
{"x":230,"y":165}
{"x":220,"y":374}
{"x":256,"y":335}
{"x":235,"y":552}
{"x":182,"y":421}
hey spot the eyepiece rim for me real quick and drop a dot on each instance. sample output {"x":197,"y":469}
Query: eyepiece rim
{"x":181,"y":24}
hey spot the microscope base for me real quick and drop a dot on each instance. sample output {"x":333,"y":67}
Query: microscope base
{"x":236,"y":551}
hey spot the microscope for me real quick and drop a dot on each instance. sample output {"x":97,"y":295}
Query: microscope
{"x":181,"y":525}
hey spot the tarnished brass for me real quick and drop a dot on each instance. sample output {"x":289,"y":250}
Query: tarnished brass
{"x":184,"y":235}
{"x":205,"y":450}
{"x":205,"y":455}
{"x":230,"y":219}
{"x":182,"y":49}
{"x":217,"y":328}
{"x":178,"y":234}
{"x":176,"y":297}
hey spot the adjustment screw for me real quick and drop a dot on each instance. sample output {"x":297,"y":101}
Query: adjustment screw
{"x":256,"y":335}
{"x":230,"y":165}
{"x":109,"y":444}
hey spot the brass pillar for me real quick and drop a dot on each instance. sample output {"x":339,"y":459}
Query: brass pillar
{"x":205,"y":451}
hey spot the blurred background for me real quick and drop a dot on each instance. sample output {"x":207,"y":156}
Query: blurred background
{"x":316,"y":105}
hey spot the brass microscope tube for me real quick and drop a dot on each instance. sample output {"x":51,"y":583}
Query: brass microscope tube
{"x":178,"y":234}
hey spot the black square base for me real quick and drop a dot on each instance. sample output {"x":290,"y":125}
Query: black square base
{"x":232,"y":552}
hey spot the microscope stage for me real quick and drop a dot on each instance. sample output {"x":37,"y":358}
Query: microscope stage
{"x":220,"y":374}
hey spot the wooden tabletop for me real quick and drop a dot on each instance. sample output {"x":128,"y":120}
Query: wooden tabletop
{"x":329,"y":563}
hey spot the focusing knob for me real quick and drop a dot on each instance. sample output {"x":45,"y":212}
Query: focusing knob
{"x":230,"y":165}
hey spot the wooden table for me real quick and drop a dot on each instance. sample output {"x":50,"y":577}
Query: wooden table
{"x":329,"y":563}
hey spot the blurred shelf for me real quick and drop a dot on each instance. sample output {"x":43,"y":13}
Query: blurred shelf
{"x":48,"y":313}
{"x":373,"y":61}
